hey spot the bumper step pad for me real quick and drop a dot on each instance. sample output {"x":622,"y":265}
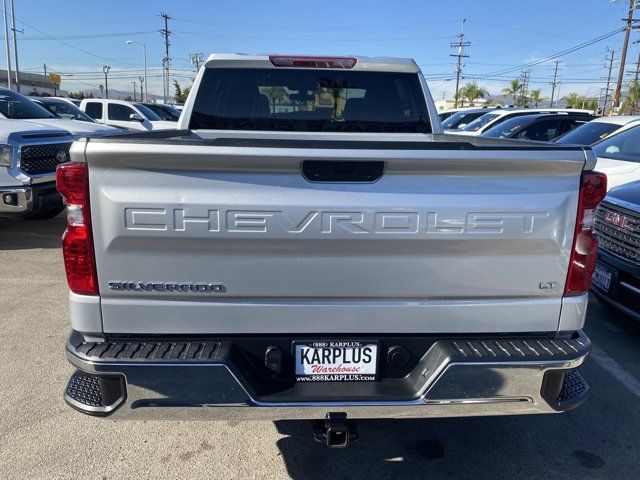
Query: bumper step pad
{"x":93,"y":394}
{"x":574,"y":387}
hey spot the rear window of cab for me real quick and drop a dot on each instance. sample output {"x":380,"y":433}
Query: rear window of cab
{"x":310,"y":100}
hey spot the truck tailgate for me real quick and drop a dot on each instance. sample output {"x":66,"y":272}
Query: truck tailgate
{"x":203,"y":237}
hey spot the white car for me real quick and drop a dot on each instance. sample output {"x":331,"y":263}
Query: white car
{"x":15,"y":106}
{"x":495,"y":117}
{"x":120,"y":113}
{"x":598,"y":129}
{"x":619,"y":156}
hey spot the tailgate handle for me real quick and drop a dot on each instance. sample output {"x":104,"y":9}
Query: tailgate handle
{"x":341,"y":171}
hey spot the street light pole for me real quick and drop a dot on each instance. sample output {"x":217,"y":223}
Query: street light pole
{"x":15,"y":44}
{"x":6,"y":42}
{"x":105,"y":70}
{"x":144,"y":53}
{"x":141,"y":85}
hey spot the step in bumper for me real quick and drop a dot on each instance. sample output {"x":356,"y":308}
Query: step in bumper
{"x":151,"y":379}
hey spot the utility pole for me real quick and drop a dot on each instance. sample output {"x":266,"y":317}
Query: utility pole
{"x":196,"y":60}
{"x":554,"y":83}
{"x":105,"y":70}
{"x":135,"y":89}
{"x":6,"y":42}
{"x":610,"y":58}
{"x":459,"y":44}
{"x":524,"y":90}
{"x":166,"y":60}
{"x":623,"y":56}
{"x":142,"y":97}
{"x":15,"y":43}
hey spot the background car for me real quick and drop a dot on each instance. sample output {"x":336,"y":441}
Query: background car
{"x":444,"y":114}
{"x":598,"y":129}
{"x":165,"y":112}
{"x":16,"y":106}
{"x":62,"y":108}
{"x":464,"y":117}
{"x":120,"y":113}
{"x":540,"y":127}
{"x":616,"y":279}
{"x":491,"y":119}
{"x":619,"y":156}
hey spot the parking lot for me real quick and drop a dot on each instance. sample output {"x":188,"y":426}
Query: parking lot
{"x":40,"y":437}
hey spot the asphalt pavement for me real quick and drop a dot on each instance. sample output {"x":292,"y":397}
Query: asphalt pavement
{"x":42,"y":438}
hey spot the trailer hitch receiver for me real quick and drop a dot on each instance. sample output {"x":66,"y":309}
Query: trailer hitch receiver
{"x":335,"y":430}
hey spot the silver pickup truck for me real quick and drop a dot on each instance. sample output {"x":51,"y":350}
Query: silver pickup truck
{"x":310,"y":245}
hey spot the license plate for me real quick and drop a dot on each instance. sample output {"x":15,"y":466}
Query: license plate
{"x":602,"y":278}
{"x":336,"y":361}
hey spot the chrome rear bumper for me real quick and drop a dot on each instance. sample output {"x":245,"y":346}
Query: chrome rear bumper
{"x":455,"y":377}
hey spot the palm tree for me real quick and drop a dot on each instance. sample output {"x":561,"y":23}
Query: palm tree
{"x":574,"y":100}
{"x":275,"y":95}
{"x":472,"y":91}
{"x":514,"y":88}
{"x":630,"y":104}
{"x":536,"y":97}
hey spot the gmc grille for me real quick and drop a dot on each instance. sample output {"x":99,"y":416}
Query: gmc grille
{"x":39,"y":159}
{"x":618,"y":231}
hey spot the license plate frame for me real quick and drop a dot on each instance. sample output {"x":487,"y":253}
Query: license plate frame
{"x":602,"y":278}
{"x":340,"y":375}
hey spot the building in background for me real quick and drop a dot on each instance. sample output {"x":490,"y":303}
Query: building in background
{"x":35,"y":84}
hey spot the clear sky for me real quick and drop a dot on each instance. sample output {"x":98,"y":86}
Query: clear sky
{"x":79,"y":36}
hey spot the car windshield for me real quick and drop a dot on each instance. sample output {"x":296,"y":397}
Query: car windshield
{"x":461,"y":119}
{"x":16,"y":106}
{"x":310,"y":100}
{"x":165,"y":112}
{"x":65,"y":110}
{"x":588,"y":133}
{"x":480,"y":122}
{"x":623,"y":146}
{"x":147,"y":112}
{"x":507,"y":128}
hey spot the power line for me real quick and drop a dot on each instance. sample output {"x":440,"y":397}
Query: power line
{"x":460,"y":44}
{"x":556,"y":55}
{"x":76,"y":48}
{"x":86,"y":36}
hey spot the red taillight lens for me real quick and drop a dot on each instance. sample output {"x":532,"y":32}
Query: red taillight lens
{"x":593,"y":188}
{"x":312,"y":62}
{"x":77,"y":242}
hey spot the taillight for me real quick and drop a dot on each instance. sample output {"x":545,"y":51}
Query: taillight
{"x":312,"y":62}
{"x":72,"y":181}
{"x":593,"y":188}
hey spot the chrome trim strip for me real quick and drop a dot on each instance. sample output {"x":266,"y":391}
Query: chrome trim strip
{"x":630,"y":287}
